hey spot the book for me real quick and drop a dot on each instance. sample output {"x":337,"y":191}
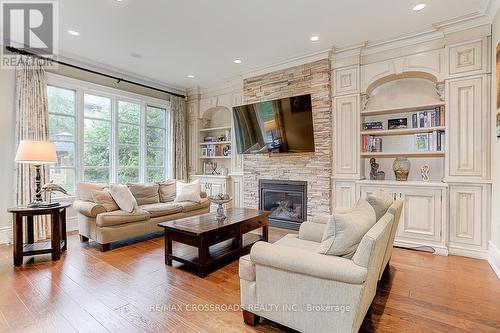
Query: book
{"x":441,"y":116}
{"x":421,"y":142}
{"x":414,"y":122}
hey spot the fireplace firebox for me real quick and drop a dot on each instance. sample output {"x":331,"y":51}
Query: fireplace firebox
{"x":286,"y":199}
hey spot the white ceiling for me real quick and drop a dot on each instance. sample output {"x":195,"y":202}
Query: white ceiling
{"x":203,"y":37}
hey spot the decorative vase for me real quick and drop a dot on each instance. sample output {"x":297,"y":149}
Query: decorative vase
{"x":401,"y":167}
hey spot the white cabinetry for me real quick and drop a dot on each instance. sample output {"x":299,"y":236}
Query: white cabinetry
{"x":214,"y":185}
{"x":423,"y":219}
{"x":469,"y":217}
{"x":468,"y":123}
{"x":346,"y":146}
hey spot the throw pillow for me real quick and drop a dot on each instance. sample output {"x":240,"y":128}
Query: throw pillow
{"x":380,"y":201}
{"x":145,"y":194}
{"x":188,"y":191}
{"x":167,"y":190}
{"x":84,"y":190}
{"x":105,"y":199}
{"x":343,"y":232}
{"x":123,"y":197}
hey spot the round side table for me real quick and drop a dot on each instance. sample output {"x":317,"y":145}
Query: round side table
{"x":55,"y":246}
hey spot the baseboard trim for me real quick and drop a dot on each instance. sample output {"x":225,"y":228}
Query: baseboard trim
{"x":471,"y":253}
{"x":494,"y":258}
{"x":6,"y":232}
{"x":5,"y":235}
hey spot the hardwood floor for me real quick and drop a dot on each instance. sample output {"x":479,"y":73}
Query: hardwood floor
{"x":129,"y":288}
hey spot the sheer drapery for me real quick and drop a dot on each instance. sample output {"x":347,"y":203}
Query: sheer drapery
{"x":32,"y":123}
{"x":178,"y":108}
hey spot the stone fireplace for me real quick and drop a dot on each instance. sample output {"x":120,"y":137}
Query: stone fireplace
{"x":314,"y":168}
{"x":286,"y":199}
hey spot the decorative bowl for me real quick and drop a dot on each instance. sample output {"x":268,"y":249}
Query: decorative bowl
{"x":220,"y":199}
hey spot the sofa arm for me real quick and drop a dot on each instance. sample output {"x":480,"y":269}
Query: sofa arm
{"x":311,"y":231}
{"x":308,"y":263}
{"x":87,"y":208}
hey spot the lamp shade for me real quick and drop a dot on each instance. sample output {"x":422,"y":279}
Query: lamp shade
{"x":36,"y":152}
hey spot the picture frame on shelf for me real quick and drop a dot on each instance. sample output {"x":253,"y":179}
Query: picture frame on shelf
{"x":397,"y":123}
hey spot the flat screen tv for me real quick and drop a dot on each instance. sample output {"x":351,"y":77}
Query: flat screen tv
{"x":283,"y":126}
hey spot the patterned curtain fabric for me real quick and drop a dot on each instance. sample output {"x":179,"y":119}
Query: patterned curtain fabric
{"x":32,"y":123}
{"x":178,"y":107}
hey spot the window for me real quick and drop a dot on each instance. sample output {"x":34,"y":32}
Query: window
{"x":62,"y":131}
{"x":129,"y":134}
{"x":107,"y":136}
{"x":97,"y":139}
{"x":156,"y":125}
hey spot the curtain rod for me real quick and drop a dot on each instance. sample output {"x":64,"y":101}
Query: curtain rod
{"x":23,"y":52}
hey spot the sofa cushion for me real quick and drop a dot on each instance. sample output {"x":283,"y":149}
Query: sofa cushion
{"x":188,"y":191}
{"x":380,"y":201}
{"x":145,"y":194}
{"x":167,"y":190}
{"x":118,"y":217}
{"x":84,"y":190}
{"x":162,"y":209}
{"x":123,"y":197}
{"x":291,"y":240}
{"x":188,"y":206}
{"x":105,"y":199}
{"x":344,"y":231}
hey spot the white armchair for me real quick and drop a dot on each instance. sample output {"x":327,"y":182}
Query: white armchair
{"x":289,"y":283}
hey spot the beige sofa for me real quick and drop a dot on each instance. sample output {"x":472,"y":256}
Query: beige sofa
{"x":95,"y":222}
{"x":289,"y":283}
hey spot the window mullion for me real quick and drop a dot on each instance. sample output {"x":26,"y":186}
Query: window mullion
{"x":114,"y":141}
{"x":142,"y":144}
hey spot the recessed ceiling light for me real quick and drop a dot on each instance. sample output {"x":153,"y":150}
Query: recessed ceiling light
{"x":136,"y":55}
{"x":314,"y":38}
{"x":419,"y":7}
{"x":73,"y":33}
{"x":237,"y":61}
{"x":191,"y":76}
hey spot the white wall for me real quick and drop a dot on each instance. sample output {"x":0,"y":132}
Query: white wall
{"x":7,"y":149}
{"x":495,"y":154}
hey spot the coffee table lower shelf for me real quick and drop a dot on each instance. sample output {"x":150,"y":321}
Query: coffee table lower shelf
{"x":208,"y":242}
{"x":218,"y":254}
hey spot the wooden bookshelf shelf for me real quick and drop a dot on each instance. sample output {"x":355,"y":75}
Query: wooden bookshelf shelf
{"x":213,"y":129}
{"x":416,"y":108}
{"x":215,"y":143}
{"x":405,"y":153}
{"x":403,"y":131}
{"x":216,"y":157}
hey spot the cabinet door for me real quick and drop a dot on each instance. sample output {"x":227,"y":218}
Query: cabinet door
{"x":344,"y":194}
{"x":466,"y":214}
{"x":421,"y":216}
{"x":468,"y":130}
{"x":346,"y":131}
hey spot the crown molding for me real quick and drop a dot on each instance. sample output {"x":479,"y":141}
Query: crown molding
{"x":288,"y":63}
{"x":490,"y":8}
{"x":99,"y":67}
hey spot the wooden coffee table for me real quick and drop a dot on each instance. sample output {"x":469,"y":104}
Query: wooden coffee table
{"x":216,"y":240}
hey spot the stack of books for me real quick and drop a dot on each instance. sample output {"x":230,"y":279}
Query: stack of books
{"x":434,"y":141}
{"x":428,"y":118}
{"x":371,"y":144}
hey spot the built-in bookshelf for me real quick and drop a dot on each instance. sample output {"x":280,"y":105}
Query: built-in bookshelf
{"x":417,"y":132}
{"x":215,"y":148}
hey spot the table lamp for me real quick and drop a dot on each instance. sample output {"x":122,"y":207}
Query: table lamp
{"x":36,"y":153}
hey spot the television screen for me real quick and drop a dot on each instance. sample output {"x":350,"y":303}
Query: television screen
{"x":283,"y":125}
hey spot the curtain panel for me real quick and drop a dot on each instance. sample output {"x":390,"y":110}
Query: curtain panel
{"x":178,"y":107}
{"x":32,"y":123}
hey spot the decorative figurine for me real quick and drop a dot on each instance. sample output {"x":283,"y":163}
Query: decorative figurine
{"x":373,"y":169}
{"x":425,"y":169}
{"x":51,"y":187}
{"x":401,"y":167}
